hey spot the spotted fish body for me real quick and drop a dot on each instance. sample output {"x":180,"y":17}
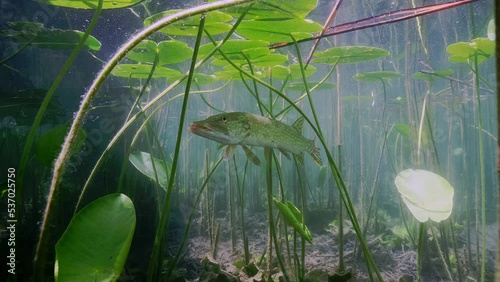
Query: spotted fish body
{"x":246,"y":129}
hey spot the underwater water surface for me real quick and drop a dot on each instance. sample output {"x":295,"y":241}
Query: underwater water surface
{"x":240,"y":140}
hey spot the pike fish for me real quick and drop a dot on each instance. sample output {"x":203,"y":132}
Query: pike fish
{"x":246,"y":129}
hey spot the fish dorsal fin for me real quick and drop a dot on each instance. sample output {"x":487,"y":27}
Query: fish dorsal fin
{"x":298,"y":124}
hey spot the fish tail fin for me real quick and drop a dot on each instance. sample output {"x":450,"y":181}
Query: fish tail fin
{"x":315,"y":153}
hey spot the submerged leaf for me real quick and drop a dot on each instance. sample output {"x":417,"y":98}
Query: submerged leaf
{"x":215,"y":23}
{"x":91,"y":4}
{"x":377,"y":76}
{"x":96,"y":243}
{"x":293,"y":217}
{"x":291,"y":72}
{"x":143,"y":162}
{"x":278,"y":30}
{"x":234,"y":46}
{"x":349,"y":55}
{"x":276,"y":9}
{"x":426,"y":194}
{"x":49,"y":144}
{"x":142,"y":71}
{"x":35,"y":34}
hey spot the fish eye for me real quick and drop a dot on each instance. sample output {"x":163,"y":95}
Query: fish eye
{"x":224,"y":119}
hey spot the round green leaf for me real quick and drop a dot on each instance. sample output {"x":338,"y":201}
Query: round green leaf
{"x":215,"y":23}
{"x":95,"y":245}
{"x":234,"y":47}
{"x":276,"y":9}
{"x":299,"y":86}
{"x":173,"y":51}
{"x":461,"y":49}
{"x":292,"y":72}
{"x":278,"y":30}
{"x":436,"y":73}
{"x":199,"y":78}
{"x":91,"y":4}
{"x":377,"y":76}
{"x":230,"y":72}
{"x":268,"y":60}
{"x":142,"y":71}
{"x":349,"y":55}
{"x":426,"y":194}
{"x":144,"y":52}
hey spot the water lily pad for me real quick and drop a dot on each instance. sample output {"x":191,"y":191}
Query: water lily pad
{"x":349,"y":55}
{"x":462,"y":52}
{"x":276,"y":9}
{"x":268,"y":60}
{"x":169,"y":52}
{"x":215,"y":23}
{"x":377,"y":76}
{"x":229,"y":72}
{"x":143,"y":162}
{"x":299,"y":86}
{"x":278,"y":30}
{"x":95,"y":245}
{"x":426,"y":194}
{"x":234,"y":46}
{"x":91,"y":4}
{"x":434,"y":75}
{"x":199,"y":78}
{"x":37,"y":35}
{"x":291,"y":72}
{"x":142,"y":71}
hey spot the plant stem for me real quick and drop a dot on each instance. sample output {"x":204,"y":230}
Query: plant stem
{"x":41,"y":249}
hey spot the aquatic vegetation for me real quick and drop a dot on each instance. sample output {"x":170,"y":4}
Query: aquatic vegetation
{"x":97,"y":241}
{"x":230,"y":57}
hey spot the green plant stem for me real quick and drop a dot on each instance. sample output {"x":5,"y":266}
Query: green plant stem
{"x":153,"y":264}
{"x":421,"y":234}
{"x":482,"y":173}
{"x":134,"y":41}
{"x":41,"y":249}
{"x":434,"y":237}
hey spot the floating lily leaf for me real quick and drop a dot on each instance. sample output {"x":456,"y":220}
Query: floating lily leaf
{"x":142,"y":71}
{"x":426,"y":194}
{"x":431,"y":77}
{"x":377,"y":76}
{"x":96,"y":243}
{"x":143,"y":162}
{"x":292,"y":72}
{"x":349,"y":55}
{"x":268,"y":60}
{"x":230,"y":72}
{"x":144,"y":52}
{"x":276,"y":9}
{"x":49,"y":144}
{"x":35,"y":34}
{"x":169,"y":52}
{"x":462,"y":52}
{"x":173,"y":51}
{"x":215,"y":23}
{"x":299,"y":86}
{"x":278,"y":30}
{"x":491,"y":30}
{"x":293,"y":217}
{"x":234,"y":47}
{"x":91,"y":4}
{"x":199,"y":78}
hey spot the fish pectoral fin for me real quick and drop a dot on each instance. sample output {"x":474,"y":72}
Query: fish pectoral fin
{"x":285,"y":153}
{"x":229,"y":151}
{"x":251,"y":155}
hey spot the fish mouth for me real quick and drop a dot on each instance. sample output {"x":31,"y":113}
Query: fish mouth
{"x":197,"y":127}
